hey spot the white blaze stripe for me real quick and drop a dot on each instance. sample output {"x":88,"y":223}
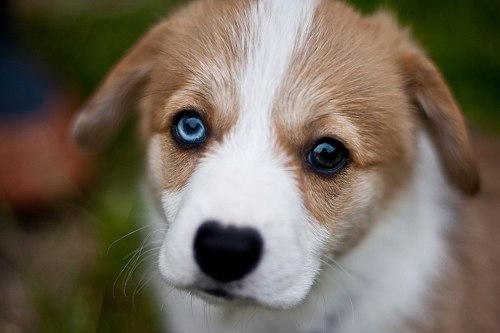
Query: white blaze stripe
{"x":278,"y":30}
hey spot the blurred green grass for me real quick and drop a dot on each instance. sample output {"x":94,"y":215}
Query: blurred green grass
{"x":84,"y":44}
{"x":463,"y":37}
{"x":110,"y":291}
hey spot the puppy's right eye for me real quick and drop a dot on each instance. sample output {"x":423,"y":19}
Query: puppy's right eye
{"x":189,"y":129}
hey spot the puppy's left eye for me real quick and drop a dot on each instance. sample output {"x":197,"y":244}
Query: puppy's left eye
{"x":328,"y":156}
{"x":189,"y":129}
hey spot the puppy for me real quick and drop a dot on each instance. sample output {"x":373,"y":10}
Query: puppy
{"x":309,"y":164}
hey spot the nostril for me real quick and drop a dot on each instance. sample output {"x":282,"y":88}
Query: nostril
{"x":226,"y":253}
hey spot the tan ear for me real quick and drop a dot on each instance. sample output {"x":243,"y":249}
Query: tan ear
{"x":443,"y":120}
{"x":98,"y":122}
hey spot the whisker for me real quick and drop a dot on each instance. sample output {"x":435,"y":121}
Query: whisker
{"x":349,"y":275}
{"x":124,"y":268}
{"x":135,"y":255}
{"x":143,"y":282}
{"x":322,"y":295}
{"x":143,"y":256}
{"x":336,"y":263}
{"x":125,"y":236}
{"x":140,"y":259}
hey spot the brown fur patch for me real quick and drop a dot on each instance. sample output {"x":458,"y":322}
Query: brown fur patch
{"x":443,"y":120}
{"x":189,"y":75}
{"x":347,"y":85}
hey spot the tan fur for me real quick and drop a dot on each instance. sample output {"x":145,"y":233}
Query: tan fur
{"x":185,"y":79}
{"x":443,"y":118}
{"x":361,"y":80}
{"x":467,"y":299}
{"x":350,"y":103}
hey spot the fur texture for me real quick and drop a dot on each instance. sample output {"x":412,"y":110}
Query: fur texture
{"x":361,"y":251}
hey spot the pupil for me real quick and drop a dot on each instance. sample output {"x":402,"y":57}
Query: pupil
{"x":325,"y":152}
{"x":192,"y":124}
{"x":327,"y":155}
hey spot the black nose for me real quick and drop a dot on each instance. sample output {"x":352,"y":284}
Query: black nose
{"x":226,"y":253}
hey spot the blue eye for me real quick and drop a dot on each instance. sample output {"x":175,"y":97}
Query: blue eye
{"x":189,"y":129}
{"x":327,"y":156}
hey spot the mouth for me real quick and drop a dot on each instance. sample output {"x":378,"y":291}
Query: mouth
{"x":219,"y":293}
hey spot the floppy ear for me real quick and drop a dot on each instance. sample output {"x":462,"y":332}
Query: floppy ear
{"x":443,"y":120}
{"x":98,"y":122}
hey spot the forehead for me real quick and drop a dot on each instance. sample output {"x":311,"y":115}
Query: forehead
{"x":242,"y":46}
{"x":301,"y":67}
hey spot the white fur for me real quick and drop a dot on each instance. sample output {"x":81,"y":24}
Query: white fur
{"x":280,"y":28}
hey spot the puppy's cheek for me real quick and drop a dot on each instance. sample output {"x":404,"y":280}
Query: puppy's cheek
{"x":176,"y":262}
{"x":155,"y":163}
{"x":344,"y":206}
{"x":171,"y":202}
{"x":169,"y":166}
{"x":174,"y":265}
{"x":291,"y":264}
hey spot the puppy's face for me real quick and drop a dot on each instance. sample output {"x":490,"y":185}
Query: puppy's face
{"x":275,"y":134}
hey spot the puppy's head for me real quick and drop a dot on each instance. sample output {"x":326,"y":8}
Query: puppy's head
{"x":275,"y":132}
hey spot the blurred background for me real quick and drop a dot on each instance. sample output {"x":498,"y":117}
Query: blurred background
{"x":70,"y":259}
